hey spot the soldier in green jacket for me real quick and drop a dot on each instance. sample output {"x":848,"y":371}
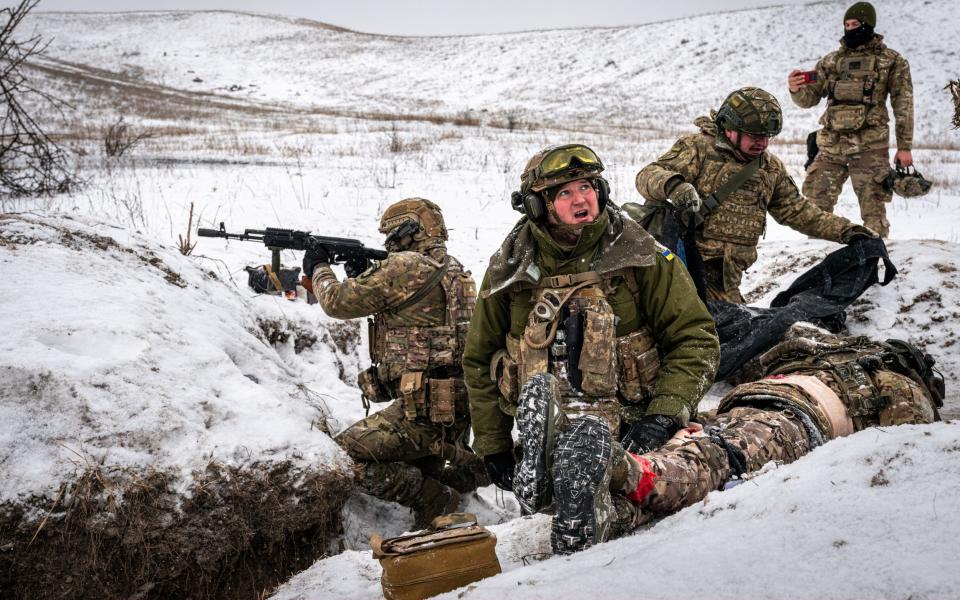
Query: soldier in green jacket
{"x":731,"y":147}
{"x":587,"y":332}
{"x":855,"y":139}
{"x":419,"y":301}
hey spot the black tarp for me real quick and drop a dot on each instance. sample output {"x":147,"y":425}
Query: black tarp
{"x":821,"y":296}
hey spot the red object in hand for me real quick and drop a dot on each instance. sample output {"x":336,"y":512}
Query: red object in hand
{"x":809,"y":76}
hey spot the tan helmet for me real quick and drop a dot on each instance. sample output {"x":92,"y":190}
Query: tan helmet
{"x":752,"y":111}
{"x":423,"y":213}
{"x":907,"y":183}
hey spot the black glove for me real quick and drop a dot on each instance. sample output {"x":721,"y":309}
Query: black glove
{"x":649,"y":433}
{"x":355,"y":266}
{"x":314,"y":256}
{"x":858,"y":232}
{"x":500,"y":468}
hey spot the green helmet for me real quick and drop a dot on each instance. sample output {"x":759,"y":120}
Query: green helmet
{"x":555,"y":165}
{"x":752,"y":111}
{"x":906,"y":183}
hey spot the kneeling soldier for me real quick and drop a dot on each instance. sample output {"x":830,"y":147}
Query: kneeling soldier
{"x":419,"y":300}
{"x":585,"y":328}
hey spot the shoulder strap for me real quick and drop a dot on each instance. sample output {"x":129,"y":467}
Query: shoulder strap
{"x":711,"y":202}
{"x":427,"y":287}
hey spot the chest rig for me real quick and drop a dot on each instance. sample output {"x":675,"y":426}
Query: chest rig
{"x":571,"y":333}
{"x":420,"y":364}
{"x":852,"y":90}
{"x":742,"y":217}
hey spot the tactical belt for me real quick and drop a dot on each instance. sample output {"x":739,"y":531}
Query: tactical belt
{"x":711,"y":202}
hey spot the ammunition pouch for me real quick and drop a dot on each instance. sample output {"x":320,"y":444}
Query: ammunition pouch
{"x":442,"y":401}
{"x":846,"y":117}
{"x":639,"y":364}
{"x":849,"y":91}
{"x":371,"y":387}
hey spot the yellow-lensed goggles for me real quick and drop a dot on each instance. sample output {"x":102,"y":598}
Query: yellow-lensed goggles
{"x":568,"y":157}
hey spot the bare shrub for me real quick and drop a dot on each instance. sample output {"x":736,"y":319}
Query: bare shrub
{"x":119,"y":138}
{"x":183,"y":244}
{"x":954,"y":87}
{"x":30,"y":161}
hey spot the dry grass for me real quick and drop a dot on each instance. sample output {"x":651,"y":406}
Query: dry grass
{"x":238,"y":532}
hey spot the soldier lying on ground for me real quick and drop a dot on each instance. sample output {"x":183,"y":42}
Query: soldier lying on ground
{"x":581,"y":312}
{"x":419,"y":300}
{"x":855,"y":139}
{"x":816,"y":387}
{"x":728,"y":161}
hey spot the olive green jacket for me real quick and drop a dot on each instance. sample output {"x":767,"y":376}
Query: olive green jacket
{"x":666,"y":302}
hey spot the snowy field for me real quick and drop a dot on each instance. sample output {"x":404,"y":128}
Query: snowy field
{"x":136,"y":358}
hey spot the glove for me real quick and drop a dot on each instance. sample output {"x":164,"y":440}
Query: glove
{"x":500,"y":467}
{"x":649,"y":433}
{"x":686,"y":198}
{"x":315,"y":255}
{"x":355,"y":266}
{"x":857,"y":232}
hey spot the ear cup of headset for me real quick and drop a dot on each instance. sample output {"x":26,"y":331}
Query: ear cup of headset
{"x":534,"y":207}
{"x":603,"y":192}
{"x":530,"y":204}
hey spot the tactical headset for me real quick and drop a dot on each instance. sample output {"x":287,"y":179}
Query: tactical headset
{"x":534,"y":205}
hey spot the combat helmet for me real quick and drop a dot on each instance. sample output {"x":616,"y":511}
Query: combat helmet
{"x":417,"y":218}
{"x":752,"y":111}
{"x":907,"y":182}
{"x":553,"y":166}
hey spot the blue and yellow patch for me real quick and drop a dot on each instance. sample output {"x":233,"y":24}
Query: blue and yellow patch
{"x":667,"y":254}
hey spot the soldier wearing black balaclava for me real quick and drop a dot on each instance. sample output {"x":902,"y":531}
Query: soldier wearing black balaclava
{"x":854,"y":141}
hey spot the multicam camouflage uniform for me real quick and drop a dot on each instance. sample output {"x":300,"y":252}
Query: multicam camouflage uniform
{"x":815,"y":389}
{"x":419,"y":302}
{"x":855,"y":138}
{"x":728,"y":239}
{"x":581,"y":337}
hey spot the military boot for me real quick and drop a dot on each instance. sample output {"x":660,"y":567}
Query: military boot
{"x":581,"y":486}
{"x":434,"y":499}
{"x":539,"y":420}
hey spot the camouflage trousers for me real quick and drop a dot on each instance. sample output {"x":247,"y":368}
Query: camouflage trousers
{"x":691,"y":465}
{"x":397,"y":457}
{"x":867,"y":171}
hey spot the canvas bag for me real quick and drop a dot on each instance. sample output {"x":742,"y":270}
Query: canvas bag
{"x":453,"y":552}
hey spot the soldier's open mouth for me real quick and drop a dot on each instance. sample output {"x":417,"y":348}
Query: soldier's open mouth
{"x":581,"y":214}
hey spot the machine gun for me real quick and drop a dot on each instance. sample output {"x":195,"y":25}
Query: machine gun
{"x":353,"y":253}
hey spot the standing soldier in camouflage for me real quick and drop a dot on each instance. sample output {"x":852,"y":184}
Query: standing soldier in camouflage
{"x":586,"y":331}
{"x":724,"y":180}
{"x":419,"y":301}
{"x":815,"y":387}
{"x":855,"y":138}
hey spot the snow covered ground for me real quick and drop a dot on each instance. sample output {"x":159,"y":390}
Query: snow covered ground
{"x":134,"y":357}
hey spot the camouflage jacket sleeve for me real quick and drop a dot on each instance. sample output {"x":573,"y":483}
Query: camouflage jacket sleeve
{"x":901,"y":98}
{"x":686,"y":335}
{"x":487,"y":334}
{"x":680,"y":163}
{"x":809,"y":95}
{"x":790,"y":208}
{"x":384,"y":285}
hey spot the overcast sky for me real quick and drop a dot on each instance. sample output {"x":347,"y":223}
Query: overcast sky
{"x":438,"y":17}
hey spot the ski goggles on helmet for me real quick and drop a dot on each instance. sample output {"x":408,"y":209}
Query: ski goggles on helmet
{"x":567,"y":158}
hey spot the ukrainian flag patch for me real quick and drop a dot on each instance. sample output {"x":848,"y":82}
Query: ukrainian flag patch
{"x":667,"y":254}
